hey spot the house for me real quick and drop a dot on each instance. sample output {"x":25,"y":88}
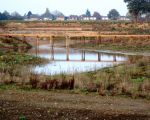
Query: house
{"x":84,"y":17}
{"x":60,"y":18}
{"x":105,"y":18}
{"x":33,"y":17}
{"x":73,"y":18}
{"x":123,"y":18}
{"x":92,"y":18}
{"x":47,"y":19}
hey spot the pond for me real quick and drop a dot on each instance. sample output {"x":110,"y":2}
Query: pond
{"x":79,"y":60}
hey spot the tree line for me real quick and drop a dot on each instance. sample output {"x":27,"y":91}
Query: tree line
{"x":137,"y":8}
{"x":16,"y":16}
{"x":13,"y":16}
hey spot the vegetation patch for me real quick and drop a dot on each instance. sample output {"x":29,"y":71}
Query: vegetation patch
{"x":131,"y":79}
{"x":14,"y":62}
{"x":120,"y":44}
{"x":13,"y":44}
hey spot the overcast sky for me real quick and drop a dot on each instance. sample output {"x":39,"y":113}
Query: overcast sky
{"x":66,"y":6}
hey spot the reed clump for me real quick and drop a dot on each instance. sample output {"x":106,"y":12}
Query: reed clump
{"x":51,"y":84}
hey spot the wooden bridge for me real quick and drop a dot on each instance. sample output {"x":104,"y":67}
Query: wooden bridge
{"x":68,"y":37}
{"x":75,"y":35}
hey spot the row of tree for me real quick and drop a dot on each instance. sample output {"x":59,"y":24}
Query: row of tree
{"x":16,"y":16}
{"x":95,"y":14}
{"x":46,"y":14}
{"x":113,"y":14}
{"x":13,"y":16}
{"x":137,"y":8}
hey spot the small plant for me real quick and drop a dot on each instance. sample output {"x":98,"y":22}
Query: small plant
{"x":22,"y":117}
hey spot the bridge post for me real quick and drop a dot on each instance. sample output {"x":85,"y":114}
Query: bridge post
{"x":96,"y":40}
{"x":37,"y":46}
{"x":84,"y":40}
{"x":114,"y":39}
{"x":99,"y":56}
{"x":51,"y":48}
{"x":114,"y":58}
{"x":83,"y":55}
{"x":83,"y":51}
{"x":99,"y":39}
{"x":24,"y":38}
{"x":67,"y":47}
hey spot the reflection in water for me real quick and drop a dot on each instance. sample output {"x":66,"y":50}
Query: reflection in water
{"x":76,"y":63}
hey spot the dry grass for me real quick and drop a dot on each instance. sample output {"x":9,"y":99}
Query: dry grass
{"x":131,"y":79}
{"x":119,"y":44}
{"x":112,"y":27}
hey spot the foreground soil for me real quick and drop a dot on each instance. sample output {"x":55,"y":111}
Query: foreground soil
{"x":64,"y":105}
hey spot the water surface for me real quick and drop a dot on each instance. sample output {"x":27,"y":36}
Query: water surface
{"x":75,"y":63}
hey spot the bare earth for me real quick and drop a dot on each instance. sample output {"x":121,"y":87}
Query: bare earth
{"x":62,"y":105}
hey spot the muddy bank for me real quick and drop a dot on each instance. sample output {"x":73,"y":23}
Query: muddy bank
{"x":23,"y":111}
{"x":61,"y":105}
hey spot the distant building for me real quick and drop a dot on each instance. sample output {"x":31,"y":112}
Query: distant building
{"x":84,"y":17}
{"x":105,"y":18}
{"x":47,"y":19}
{"x":123,"y":18}
{"x":33,"y":17}
{"x":97,"y":15}
{"x":60,"y":18}
{"x":92,"y":18}
{"x":73,"y":18}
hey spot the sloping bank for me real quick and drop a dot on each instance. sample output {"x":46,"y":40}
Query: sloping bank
{"x":13,"y":57}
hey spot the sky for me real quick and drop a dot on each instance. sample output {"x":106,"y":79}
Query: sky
{"x":67,"y":7}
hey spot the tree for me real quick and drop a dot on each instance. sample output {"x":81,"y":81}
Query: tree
{"x":138,"y":7}
{"x":113,"y":14}
{"x":4,"y":16}
{"x":129,"y":16}
{"x":16,"y":16}
{"x":47,"y":14}
{"x":97,"y":15}
{"x":57,"y":13}
{"x":88,"y":13}
{"x":29,"y":14}
{"x":147,"y":17}
{"x":6,"y":13}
